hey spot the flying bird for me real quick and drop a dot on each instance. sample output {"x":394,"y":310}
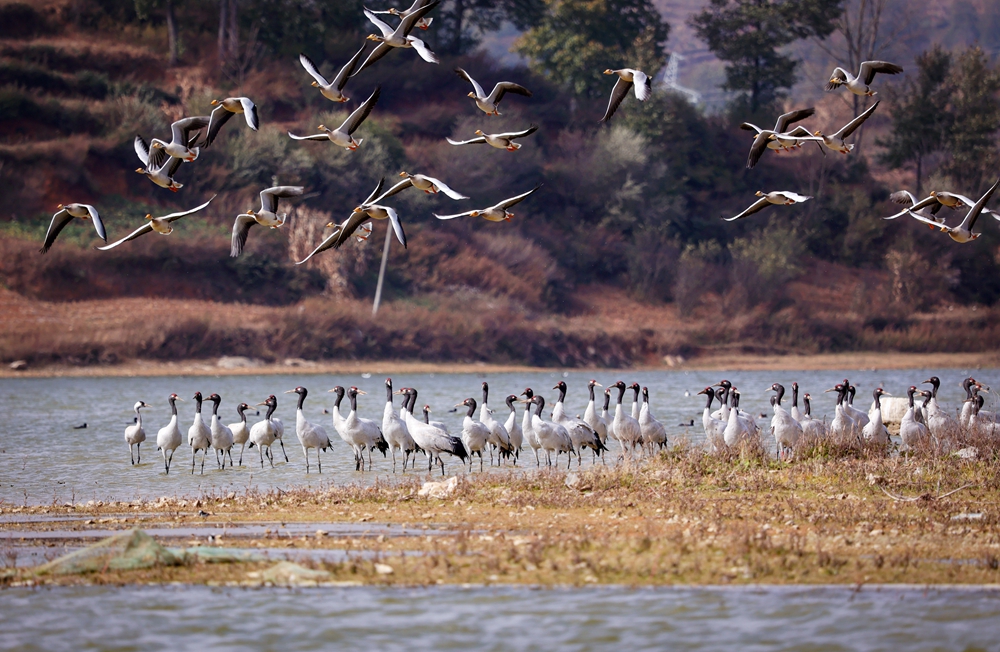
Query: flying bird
{"x":934,"y":201}
{"x":423,"y":23}
{"x":489,"y":103}
{"x":65,"y":214}
{"x":429,"y":185}
{"x":837,"y":142}
{"x":157,"y":166}
{"x":963,"y":232}
{"x":331,"y":90}
{"x":360,"y":234}
{"x":181,"y":143}
{"x":500,"y":141}
{"x":496,"y":213}
{"x":780,"y":197}
{"x":627,"y":78}
{"x":266,"y":216}
{"x":159,"y":224}
{"x":343,"y":136}
{"x":227,"y":108}
{"x":399,"y":37}
{"x":772,"y":138}
{"x":859,"y":85}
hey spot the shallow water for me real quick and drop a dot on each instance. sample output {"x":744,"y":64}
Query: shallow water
{"x":43,"y":459}
{"x":499,"y":618}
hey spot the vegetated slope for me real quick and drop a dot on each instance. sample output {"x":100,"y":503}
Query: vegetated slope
{"x":627,"y":219}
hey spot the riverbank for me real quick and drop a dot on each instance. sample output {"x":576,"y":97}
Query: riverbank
{"x":230,"y":366}
{"x":686,"y":518}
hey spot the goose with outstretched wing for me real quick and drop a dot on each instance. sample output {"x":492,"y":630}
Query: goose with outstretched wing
{"x":161,"y":225}
{"x":497,"y":213}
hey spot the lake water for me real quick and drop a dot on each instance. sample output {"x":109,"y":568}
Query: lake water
{"x":499,"y":618}
{"x":43,"y":459}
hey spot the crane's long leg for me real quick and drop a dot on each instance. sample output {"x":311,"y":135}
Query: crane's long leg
{"x":319,"y":462}
{"x":305,"y":451}
{"x":138,"y":453}
{"x":242,"y":447}
{"x":270,"y":456}
{"x":170,"y":461}
{"x":194,"y":454}
{"x":230,"y":453}
{"x":283,"y":450}
{"x":166,"y":466}
{"x":260,"y":449}
{"x":203,"y":456}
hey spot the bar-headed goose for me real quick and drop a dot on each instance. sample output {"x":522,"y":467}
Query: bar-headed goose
{"x":429,"y":185}
{"x":157,"y":166}
{"x":423,"y":23}
{"x":227,"y":108}
{"x":331,"y":90}
{"x":836,"y":142}
{"x":859,"y":85}
{"x":399,"y":37}
{"x":343,"y":135}
{"x":500,"y":141}
{"x":370,"y":209}
{"x":963,"y":232}
{"x":181,"y":143}
{"x":489,"y":103}
{"x":779,"y":197}
{"x":159,"y":224}
{"x":64,"y":215}
{"x":266,"y":216}
{"x":627,"y":78}
{"x":934,"y":202}
{"x":360,"y":234}
{"x":772,"y":138}
{"x":496,"y":213}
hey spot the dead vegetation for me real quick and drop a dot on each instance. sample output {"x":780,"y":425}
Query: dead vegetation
{"x":682,"y":518}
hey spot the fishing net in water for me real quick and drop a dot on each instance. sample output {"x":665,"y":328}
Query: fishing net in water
{"x":125,"y":551}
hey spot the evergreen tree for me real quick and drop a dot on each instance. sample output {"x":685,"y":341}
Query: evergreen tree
{"x":458,"y":23}
{"x":972,"y":138}
{"x":747,"y":34}
{"x":576,"y":40}
{"x":921,"y":115}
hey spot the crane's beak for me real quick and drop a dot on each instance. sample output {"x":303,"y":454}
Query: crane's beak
{"x":261,"y":403}
{"x":291,"y":391}
{"x":398,"y":391}
{"x":458,"y":404}
{"x":361,"y":393}
{"x":555,"y":387}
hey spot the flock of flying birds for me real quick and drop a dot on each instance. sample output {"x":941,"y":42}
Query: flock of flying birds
{"x":162,"y":159}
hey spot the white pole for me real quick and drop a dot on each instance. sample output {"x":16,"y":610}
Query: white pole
{"x":381,"y":271}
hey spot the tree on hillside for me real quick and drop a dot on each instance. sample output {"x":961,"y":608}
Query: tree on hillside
{"x":746,"y":34}
{"x":576,"y":40}
{"x":142,"y":10}
{"x":921,"y":116}
{"x":972,"y":138}
{"x":458,"y":22}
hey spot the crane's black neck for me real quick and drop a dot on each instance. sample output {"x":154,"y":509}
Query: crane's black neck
{"x":592,"y":392}
{"x":353,"y":396}
{"x":388,"y":392}
{"x":909,"y":394}
{"x":239,"y":410}
{"x":271,"y":407}
{"x":878,"y":399}
{"x":607,"y":400}
{"x":562,"y":392}
{"x":486,"y":393}
{"x":510,"y":403}
{"x":197,"y":401}
{"x":302,"y":398}
{"x":621,"y":393}
{"x":967,"y":384}
{"x":540,"y":402}
{"x":645,"y":395}
{"x":935,"y":383}
{"x":806,"y":408}
{"x":709,"y":395}
{"x":795,"y":395}
{"x":173,"y":405}
{"x":215,"y":406}
{"x":472,"y":406}
{"x":781,"y":392}
{"x":635,"y":388}
{"x":413,"y":400}
{"x":851,"y":390}
{"x":427,"y":416}
{"x":339,"y":391}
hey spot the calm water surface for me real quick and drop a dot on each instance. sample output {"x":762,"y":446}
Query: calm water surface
{"x":43,"y":459}
{"x":498,"y":618}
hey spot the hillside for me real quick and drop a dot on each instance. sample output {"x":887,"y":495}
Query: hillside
{"x":619,"y":259}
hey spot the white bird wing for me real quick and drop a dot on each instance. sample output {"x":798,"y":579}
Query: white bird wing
{"x":409,"y":21}
{"x":397,"y":188}
{"x":758,"y":148}
{"x":795,"y":197}
{"x":837,"y":77}
{"x":269,"y":197}
{"x":173,"y":217}
{"x":969,"y":222}
{"x":311,"y":68}
{"x":749,"y":126}
{"x":180,"y":131}
{"x":502,"y":88}
{"x":472,"y":141}
{"x":99,"y":225}
{"x":849,"y":128}
{"x":345,"y":73}
{"x":141,"y":150}
{"x":313,"y":137}
{"x":58,"y":223}
{"x":355,"y":119}
{"x":758,"y":205}
{"x":618,"y":93}
{"x":250,"y":113}
{"x":451,"y":217}
{"x":381,"y":24}
{"x":396,"y":226}
{"x":380,"y":51}
{"x":142,"y":230}
{"x":327,"y":243}
{"x":905,"y":197}
{"x":220,"y":116}
{"x":422,"y":49}
{"x":792,"y":117}
{"x":443,"y":187}
{"x":507,"y":203}
{"x":346,"y":229}
{"x":921,"y":218}
{"x":966,"y":201}
{"x":374,"y":193}
{"x":643,"y":85}
{"x":518,"y":134}
{"x":240,"y":230}
{"x":869,"y":68}
{"x":475,"y":85}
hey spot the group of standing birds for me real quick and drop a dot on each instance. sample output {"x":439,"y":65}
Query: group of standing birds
{"x":728,"y":427}
{"x":783,"y":139}
{"x":404,"y":433}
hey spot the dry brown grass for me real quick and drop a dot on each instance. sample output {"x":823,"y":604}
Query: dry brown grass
{"x":682,"y":518}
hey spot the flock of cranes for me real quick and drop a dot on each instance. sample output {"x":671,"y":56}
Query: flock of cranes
{"x":403,"y":433}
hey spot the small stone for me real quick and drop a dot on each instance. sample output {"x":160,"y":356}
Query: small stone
{"x":19,"y":365}
{"x":383,"y":569}
{"x":439,"y":489}
{"x":237,"y":362}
